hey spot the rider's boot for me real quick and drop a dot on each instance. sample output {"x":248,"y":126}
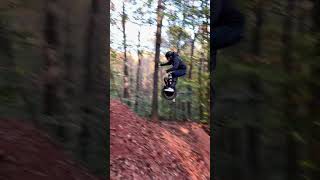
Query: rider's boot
{"x":172,"y":86}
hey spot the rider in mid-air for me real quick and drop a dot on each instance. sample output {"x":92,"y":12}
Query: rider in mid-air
{"x":178,"y":68}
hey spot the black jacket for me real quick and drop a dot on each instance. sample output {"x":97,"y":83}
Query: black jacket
{"x":176,"y":63}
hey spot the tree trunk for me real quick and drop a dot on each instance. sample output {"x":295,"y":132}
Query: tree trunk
{"x":68,"y":57}
{"x":189,"y":104}
{"x":94,"y":108}
{"x":154,"y":112}
{"x":126,"y":93}
{"x":302,"y":18}
{"x":200,"y":87}
{"x":313,"y":104}
{"x":292,"y":160}
{"x":180,"y":34}
{"x":52,"y":42}
{"x":254,"y":131}
{"x":138,"y":74}
{"x":235,"y":144}
{"x":259,"y":14}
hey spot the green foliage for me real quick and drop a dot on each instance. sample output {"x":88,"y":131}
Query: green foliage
{"x":23,"y":73}
{"x":261,"y":92}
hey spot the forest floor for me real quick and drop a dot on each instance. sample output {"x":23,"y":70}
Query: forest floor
{"x":142,"y":149}
{"x":29,"y":154}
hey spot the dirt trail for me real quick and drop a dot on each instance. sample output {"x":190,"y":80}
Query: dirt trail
{"x":29,"y":154}
{"x":141,"y":149}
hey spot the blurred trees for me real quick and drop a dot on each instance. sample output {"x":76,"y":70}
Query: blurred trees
{"x":53,"y":72}
{"x":264,"y":94}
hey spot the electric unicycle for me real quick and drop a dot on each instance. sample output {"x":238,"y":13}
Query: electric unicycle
{"x":167,"y":94}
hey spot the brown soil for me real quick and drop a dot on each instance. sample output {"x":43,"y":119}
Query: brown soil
{"x":29,"y":154}
{"x":141,"y":149}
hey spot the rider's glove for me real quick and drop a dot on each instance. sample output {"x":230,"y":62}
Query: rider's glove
{"x":168,"y":70}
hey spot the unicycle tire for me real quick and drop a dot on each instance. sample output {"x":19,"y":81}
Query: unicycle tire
{"x":169,"y":95}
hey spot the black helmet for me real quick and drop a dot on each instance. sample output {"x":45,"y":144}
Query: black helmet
{"x":169,"y":54}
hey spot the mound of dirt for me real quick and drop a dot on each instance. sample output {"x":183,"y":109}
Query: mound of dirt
{"x":141,"y":149}
{"x":29,"y":154}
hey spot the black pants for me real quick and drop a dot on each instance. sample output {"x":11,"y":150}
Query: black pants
{"x":178,"y":73}
{"x":175,"y":74}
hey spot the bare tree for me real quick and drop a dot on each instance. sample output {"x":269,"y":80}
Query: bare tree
{"x":154,"y":111}
{"x":126,"y":91}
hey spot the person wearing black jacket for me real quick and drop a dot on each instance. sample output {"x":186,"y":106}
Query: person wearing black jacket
{"x":178,"y":68}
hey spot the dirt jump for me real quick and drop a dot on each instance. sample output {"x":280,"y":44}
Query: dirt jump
{"x":143,"y":149}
